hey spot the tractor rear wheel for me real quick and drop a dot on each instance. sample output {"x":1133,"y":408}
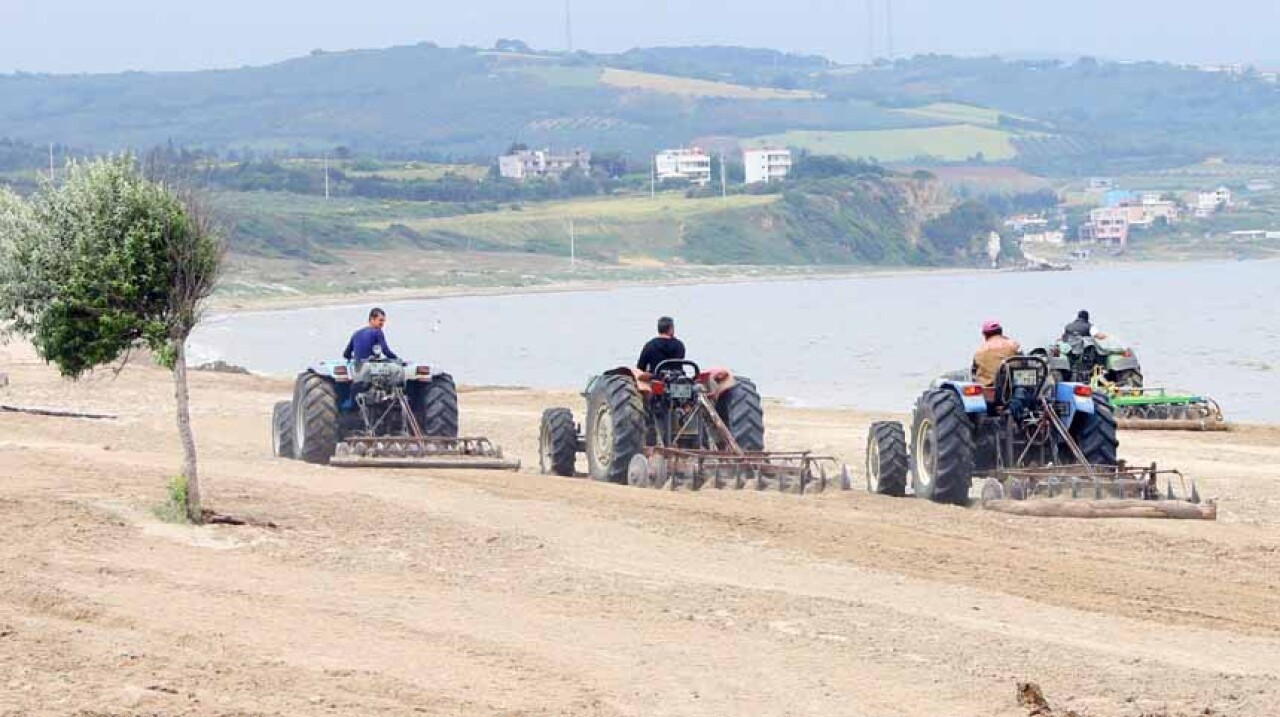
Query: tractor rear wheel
{"x":615,"y":427}
{"x":942,"y":442}
{"x":1128,"y":378}
{"x":887,"y":463}
{"x":740,"y":408}
{"x":1096,"y":434}
{"x":315,"y":418}
{"x":282,"y":429}
{"x":438,"y":412}
{"x":557,"y":442}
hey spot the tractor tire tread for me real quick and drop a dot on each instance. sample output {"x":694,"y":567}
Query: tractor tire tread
{"x":282,"y":429}
{"x":742,"y":411}
{"x":557,"y":425}
{"x":439,"y":416}
{"x":891,"y":440}
{"x":627,"y":411}
{"x":316,"y":406}
{"x":954,"y":442}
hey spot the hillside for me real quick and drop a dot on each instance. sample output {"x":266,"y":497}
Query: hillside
{"x":428,"y":101}
{"x":852,"y":219}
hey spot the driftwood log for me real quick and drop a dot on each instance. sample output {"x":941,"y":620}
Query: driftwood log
{"x":56,"y":412}
{"x":1170,"y":509}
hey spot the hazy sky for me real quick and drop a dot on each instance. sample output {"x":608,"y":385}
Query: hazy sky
{"x":112,"y":35}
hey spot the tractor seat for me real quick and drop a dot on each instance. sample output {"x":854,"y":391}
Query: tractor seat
{"x":1018,"y":372}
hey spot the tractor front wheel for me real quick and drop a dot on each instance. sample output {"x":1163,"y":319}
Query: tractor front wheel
{"x":942,"y":442}
{"x":887,"y":463}
{"x":282,"y":429}
{"x":557,"y":442}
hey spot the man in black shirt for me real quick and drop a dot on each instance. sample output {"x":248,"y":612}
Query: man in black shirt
{"x":665,"y":346}
{"x":1079,"y":328}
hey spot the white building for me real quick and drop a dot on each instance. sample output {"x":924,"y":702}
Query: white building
{"x":692,"y":164}
{"x":766,"y":165}
{"x":1209,"y":202}
{"x":541,"y":163}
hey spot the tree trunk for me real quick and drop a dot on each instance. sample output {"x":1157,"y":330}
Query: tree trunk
{"x":183,"y":400}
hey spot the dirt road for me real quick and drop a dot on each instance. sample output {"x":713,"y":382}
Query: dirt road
{"x":469,"y":593}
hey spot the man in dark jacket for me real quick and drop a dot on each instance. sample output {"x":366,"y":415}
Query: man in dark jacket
{"x":360,"y":347}
{"x":664,"y":347}
{"x":1079,"y":328}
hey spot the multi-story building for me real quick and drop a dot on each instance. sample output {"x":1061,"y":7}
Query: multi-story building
{"x":525,"y":163}
{"x":766,"y":165}
{"x":692,"y":164}
{"x":1207,"y":203}
{"x":1108,"y":225}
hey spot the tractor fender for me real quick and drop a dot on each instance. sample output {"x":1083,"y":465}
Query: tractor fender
{"x":1120,"y":362}
{"x":974,"y":401}
{"x":1080,"y":402}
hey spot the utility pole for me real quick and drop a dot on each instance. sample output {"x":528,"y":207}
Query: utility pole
{"x":653,"y":177}
{"x":573,"y":245}
{"x":51,"y":163}
{"x":326,"y":176}
{"x":568,"y":26}
{"x":724,"y":187}
{"x":871,"y":32}
{"x":888,"y":26}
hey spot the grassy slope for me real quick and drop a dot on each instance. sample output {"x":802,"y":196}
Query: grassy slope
{"x":605,"y":228}
{"x":949,"y":143}
{"x":633,"y":80}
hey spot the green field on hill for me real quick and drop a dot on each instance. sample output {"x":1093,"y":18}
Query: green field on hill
{"x":951,"y":143}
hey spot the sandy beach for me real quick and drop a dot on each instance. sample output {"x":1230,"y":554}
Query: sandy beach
{"x":359,"y":592}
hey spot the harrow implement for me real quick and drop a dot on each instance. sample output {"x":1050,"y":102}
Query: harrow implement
{"x":679,"y":428}
{"x":421,"y":452}
{"x":788,"y":472}
{"x":1155,"y":409}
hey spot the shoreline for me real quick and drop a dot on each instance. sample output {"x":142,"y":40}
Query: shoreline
{"x":737,"y":274}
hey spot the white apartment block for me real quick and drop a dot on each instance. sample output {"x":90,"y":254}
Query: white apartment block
{"x":541,"y":163}
{"x":766,"y":165}
{"x":692,"y":164}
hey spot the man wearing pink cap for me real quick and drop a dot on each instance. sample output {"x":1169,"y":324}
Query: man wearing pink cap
{"x":995,"y":348}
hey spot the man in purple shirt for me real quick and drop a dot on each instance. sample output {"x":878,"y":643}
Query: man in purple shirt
{"x":360,"y":347}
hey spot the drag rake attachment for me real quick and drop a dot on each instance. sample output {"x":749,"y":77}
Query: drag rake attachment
{"x":691,"y":469}
{"x":1090,"y":490}
{"x":416,"y":450}
{"x":1091,"y":482}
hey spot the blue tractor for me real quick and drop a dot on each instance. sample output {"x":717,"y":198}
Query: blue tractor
{"x":378,"y":412}
{"x":1031,"y":434}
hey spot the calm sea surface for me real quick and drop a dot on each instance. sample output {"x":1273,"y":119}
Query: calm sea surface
{"x":870,"y":343}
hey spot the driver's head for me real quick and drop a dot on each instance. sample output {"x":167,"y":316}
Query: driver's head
{"x":1083,"y":315}
{"x":991,"y":328}
{"x":666,"y":326}
{"x":377,"y":318}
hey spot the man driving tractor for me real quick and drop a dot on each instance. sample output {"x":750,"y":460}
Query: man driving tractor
{"x":363,"y":341}
{"x":995,"y":349}
{"x":663,"y":347}
{"x":1082,"y":326}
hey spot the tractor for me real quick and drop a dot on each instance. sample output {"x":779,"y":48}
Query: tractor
{"x":377,"y":412}
{"x":1080,"y":359}
{"x":1030,"y":433}
{"x":677,"y":426}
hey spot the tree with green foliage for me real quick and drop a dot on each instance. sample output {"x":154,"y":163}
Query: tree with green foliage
{"x":105,"y":263}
